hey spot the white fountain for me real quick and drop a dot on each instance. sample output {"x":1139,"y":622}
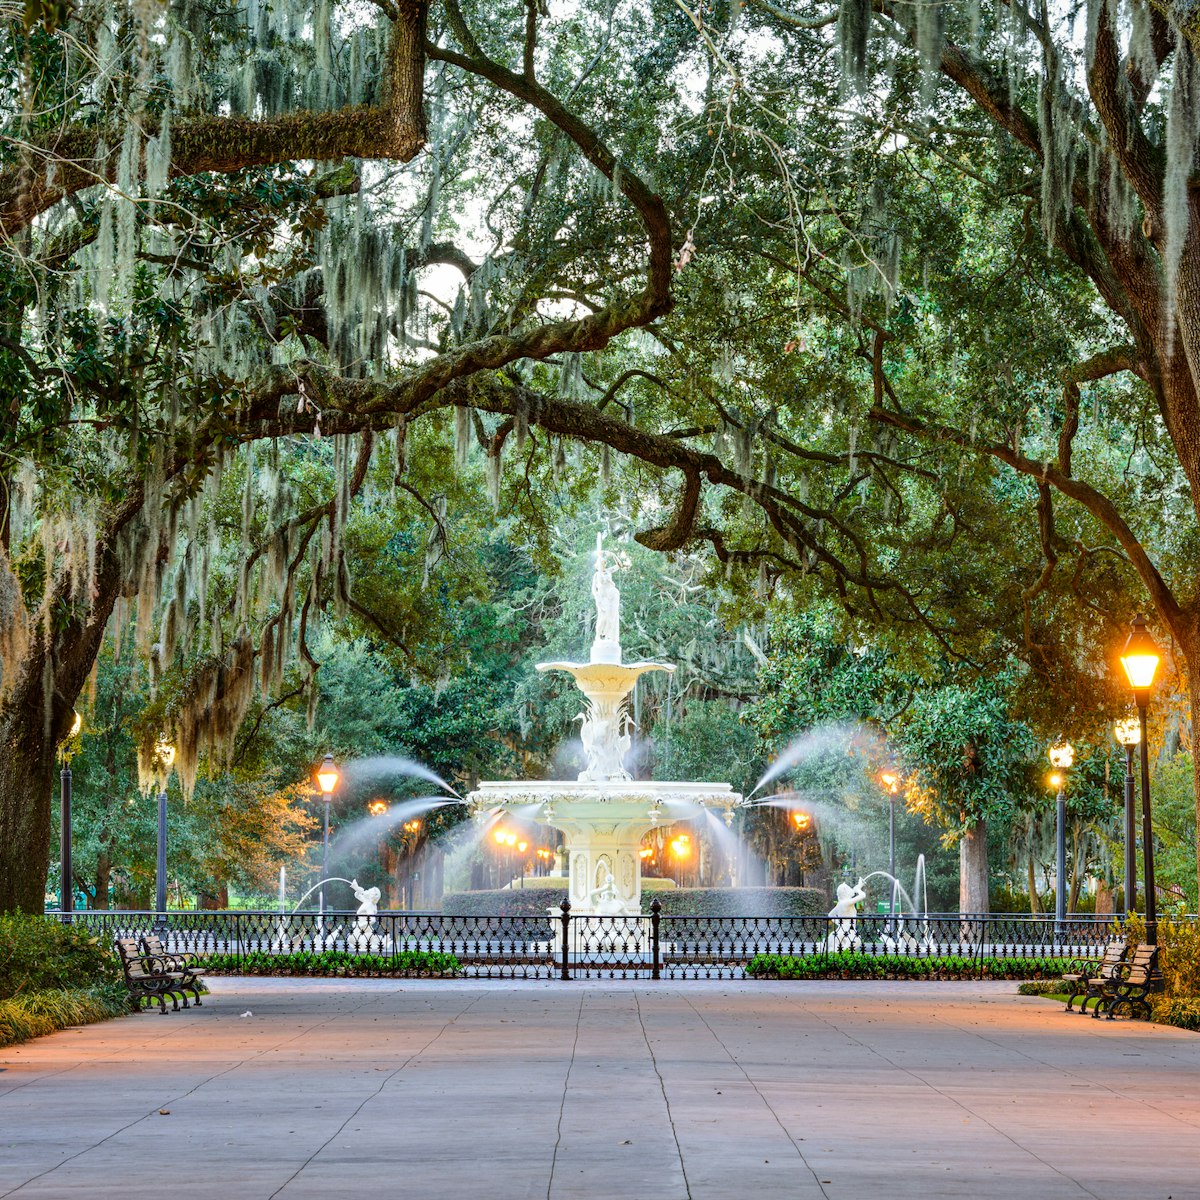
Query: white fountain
{"x":604,"y":814}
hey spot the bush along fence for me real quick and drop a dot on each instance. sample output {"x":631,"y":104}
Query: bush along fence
{"x":559,"y":944}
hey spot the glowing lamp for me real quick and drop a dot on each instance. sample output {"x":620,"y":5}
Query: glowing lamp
{"x":1140,"y":658}
{"x":890,"y":781}
{"x":522,"y":846}
{"x":1062,"y":755}
{"x":499,"y":836}
{"x":801,"y":820}
{"x":76,"y":726}
{"x":377,"y":808}
{"x":1128,"y":732}
{"x":1055,"y":780}
{"x":327,"y":776}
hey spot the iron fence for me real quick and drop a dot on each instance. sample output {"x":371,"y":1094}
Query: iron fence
{"x":566,"y":946}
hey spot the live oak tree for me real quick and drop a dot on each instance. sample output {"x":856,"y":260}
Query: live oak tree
{"x":224,"y":229}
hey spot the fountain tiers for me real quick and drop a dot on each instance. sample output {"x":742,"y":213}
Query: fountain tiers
{"x":604,"y":813}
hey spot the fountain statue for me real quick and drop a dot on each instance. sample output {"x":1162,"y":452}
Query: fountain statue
{"x":605,"y":812}
{"x":363,"y":936}
{"x":844,"y":914}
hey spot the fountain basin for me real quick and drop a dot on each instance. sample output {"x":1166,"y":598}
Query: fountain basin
{"x":603,"y":823}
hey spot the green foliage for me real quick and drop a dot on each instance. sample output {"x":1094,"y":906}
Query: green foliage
{"x":1042,"y":987}
{"x":39,"y":954}
{"x":1173,"y":791}
{"x":333,"y":962}
{"x":35,"y":1014}
{"x":849,"y":964}
{"x":1181,"y":1011}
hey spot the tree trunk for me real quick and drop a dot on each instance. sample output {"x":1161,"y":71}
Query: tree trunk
{"x":103,"y":874}
{"x":973,"y":869}
{"x":27,"y":745}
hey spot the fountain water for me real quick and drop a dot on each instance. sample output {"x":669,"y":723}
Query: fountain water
{"x":605,"y":813}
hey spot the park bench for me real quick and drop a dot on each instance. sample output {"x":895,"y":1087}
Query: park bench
{"x":1136,"y":979}
{"x":184,"y":962}
{"x":149,"y":978}
{"x":1087,"y":984}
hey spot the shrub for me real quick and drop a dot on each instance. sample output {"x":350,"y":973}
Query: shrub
{"x":1183,"y":1011}
{"x":1178,"y":952}
{"x":35,"y":1014}
{"x":1042,"y":987}
{"x":39,"y":953}
{"x":333,"y":962}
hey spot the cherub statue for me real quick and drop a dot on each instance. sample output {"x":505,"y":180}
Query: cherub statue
{"x":368,"y":901}
{"x":844,"y":934}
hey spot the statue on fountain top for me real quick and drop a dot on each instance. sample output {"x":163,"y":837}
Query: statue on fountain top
{"x":607,"y":645}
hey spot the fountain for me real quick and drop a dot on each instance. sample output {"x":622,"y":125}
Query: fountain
{"x":604,"y":814}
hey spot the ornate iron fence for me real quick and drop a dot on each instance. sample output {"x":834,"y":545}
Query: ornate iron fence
{"x":342,"y":943}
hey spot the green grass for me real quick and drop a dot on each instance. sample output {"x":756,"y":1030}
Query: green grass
{"x":35,"y":1014}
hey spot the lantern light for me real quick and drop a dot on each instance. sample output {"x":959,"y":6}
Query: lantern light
{"x":1062,"y":755}
{"x":1128,"y":732}
{"x":1141,"y":657}
{"x":327,"y":775}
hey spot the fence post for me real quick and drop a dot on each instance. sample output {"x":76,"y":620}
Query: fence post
{"x":655,"y":918}
{"x":565,"y":965}
{"x":237,"y":933}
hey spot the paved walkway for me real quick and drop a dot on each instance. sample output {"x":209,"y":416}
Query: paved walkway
{"x":611,"y":1091}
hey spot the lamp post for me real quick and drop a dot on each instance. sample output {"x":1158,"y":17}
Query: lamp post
{"x":1128,"y":734}
{"x":891,"y":784}
{"x":327,"y":780}
{"x":66,"y":893}
{"x":1140,"y":658}
{"x":164,"y":754}
{"x":1062,"y":757}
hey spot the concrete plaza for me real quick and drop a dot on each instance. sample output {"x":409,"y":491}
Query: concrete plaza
{"x":638,"y":1090}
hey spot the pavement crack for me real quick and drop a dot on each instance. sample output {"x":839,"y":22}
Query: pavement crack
{"x":955,"y":1101}
{"x":154,"y":1111}
{"x":758,"y":1092}
{"x":372,"y":1095}
{"x":562,"y":1106}
{"x":687,"y":1187}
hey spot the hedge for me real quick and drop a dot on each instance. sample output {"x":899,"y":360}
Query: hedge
{"x":333,"y":962}
{"x":741,"y":902}
{"x":850,"y":964}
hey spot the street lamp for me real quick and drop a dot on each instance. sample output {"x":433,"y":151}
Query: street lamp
{"x":327,"y":780}
{"x":891,"y":784}
{"x":1128,"y":734}
{"x":1062,"y":757}
{"x":1140,"y":658}
{"x":164,"y":754}
{"x":66,"y":895}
